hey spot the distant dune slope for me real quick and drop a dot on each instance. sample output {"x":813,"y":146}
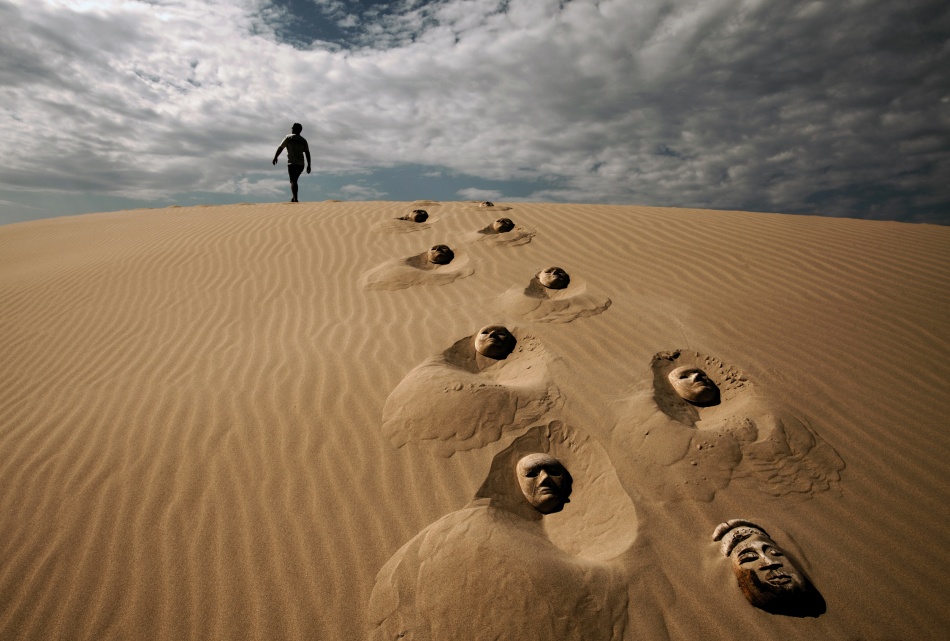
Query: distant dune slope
{"x":192,"y":409}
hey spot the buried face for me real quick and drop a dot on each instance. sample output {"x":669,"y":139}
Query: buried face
{"x":544,"y":482}
{"x":441,"y":255}
{"x":418,"y":215}
{"x":692,"y":384}
{"x":554,"y":278}
{"x":494,"y":341}
{"x":502,"y":225}
{"x":766,"y":576}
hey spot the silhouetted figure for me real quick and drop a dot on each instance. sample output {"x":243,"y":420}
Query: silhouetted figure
{"x":297,"y":148}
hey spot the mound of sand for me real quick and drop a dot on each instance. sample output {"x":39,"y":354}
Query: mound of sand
{"x":264,"y":422}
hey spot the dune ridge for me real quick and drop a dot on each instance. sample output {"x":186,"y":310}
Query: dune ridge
{"x":192,"y":404}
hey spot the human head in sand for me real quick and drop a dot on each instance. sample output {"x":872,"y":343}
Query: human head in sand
{"x":503,"y":225}
{"x":545,"y":482}
{"x":494,"y":341}
{"x":693,"y":385}
{"x":417,"y":216}
{"x":440,"y":255}
{"x":554,"y":278}
{"x":768,"y":579}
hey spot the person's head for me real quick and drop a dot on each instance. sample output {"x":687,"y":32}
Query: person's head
{"x":486,"y":203}
{"x":418,"y":215}
{"x":502,"y":225}
{"x":545,"y":483}
{"x":768,"y":579}
{"x":296,"y":128}
{"x":494,"y":341}
{"x":693,"y":385}
{"x":440,"y":255}
{"x":554,"y":278}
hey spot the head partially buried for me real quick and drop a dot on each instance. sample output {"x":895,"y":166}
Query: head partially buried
{"x":494,"y":341}
{"x":768,"y":579}
{"x":418,"y":216}
{"x":545,"y":483}
{"x":554,"y":278}
{"x":693,"y":385}
{"x":440,"y":255}
{"x":502,"y":225}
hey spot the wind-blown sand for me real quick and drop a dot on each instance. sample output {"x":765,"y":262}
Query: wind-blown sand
{"x":224,"y":422}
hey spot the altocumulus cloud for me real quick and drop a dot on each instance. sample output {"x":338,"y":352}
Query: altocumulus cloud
{"x":838,"y":108}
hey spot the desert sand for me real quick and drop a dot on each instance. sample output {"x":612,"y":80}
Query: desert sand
{"x":268,"y":422}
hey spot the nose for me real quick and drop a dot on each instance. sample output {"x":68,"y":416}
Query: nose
{"x":770,"y":562}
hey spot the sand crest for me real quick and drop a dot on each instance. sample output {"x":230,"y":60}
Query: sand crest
{"x":461,"y":400}
{"x":539,"y":304}
{"x":416,"y":270}
{"x":676,"y":449}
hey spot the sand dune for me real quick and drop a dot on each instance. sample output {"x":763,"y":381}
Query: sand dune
{"x":224,"y":422}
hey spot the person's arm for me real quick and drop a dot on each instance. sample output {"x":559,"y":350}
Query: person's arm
{"x":306,"y":152}
{"x":280,"y":149}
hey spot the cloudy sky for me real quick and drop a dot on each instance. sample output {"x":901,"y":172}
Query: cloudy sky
{"x":837,"y":108}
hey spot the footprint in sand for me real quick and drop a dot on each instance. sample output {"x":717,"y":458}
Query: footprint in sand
{"x":567,"y":300}
{"x":499,"y":556}
{"x":701,"y":425}
{"x":439,"y":265}
{"x":503,"y":232}
{"x":463,"y":400}
{"x":487,"y":204}
{"x":417,"y":219}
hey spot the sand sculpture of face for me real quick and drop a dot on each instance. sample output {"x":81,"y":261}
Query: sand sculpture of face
{"x":766,"y":576}
{"x":441,"y":255}
{"x":502,"y":225}
{"x":554,"y":278}
{"x":494,"y":341}
{"x":545,"y":483}
{"x":418,"y":215}
{"x":692,"y":384}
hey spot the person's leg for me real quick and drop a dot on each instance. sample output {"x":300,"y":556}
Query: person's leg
{"x":294,"y":171}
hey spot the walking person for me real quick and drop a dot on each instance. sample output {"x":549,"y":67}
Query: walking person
{"x":297,"y":148}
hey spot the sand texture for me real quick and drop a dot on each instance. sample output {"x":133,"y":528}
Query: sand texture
{"x":269,"y":422}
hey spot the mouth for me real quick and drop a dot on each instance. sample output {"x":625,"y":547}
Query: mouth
{"x":779,"y":579}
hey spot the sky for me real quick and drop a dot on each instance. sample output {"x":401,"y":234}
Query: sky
{"x":838,"y":108}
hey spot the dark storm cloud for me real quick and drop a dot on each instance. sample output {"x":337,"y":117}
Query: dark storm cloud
{"x":836,"y":108}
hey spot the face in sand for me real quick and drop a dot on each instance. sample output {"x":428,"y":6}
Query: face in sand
{"x":544,"y":482}
{"x":554,"y":278}
{"x":441,"y":255}
{"x":502,"y":225}
{"x":494,"y":341}
{"x":692,"y":384}
{"x":418,"y":216}
{"x":765,"y":575}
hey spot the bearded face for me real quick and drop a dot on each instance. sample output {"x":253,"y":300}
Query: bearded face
{"x":767,"y":578}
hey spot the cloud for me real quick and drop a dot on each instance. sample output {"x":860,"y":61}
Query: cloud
{"x":472,"y":193}
{"x":836,"y":108}
{"x":359,"y":192}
